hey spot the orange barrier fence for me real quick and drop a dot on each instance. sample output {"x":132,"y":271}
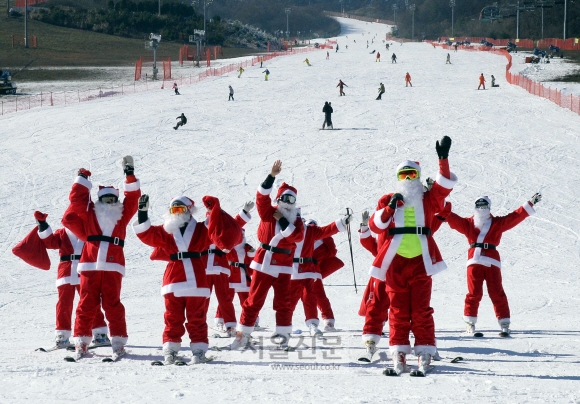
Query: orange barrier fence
{"x":21,"y":3}
{"x":568,"y":44}
{"x":570,"y":102}
{"x":74,"y":97}
{"x":19,"y":40}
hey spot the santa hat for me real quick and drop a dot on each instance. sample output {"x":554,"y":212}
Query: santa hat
{"x":286,"y":189}
{"x":184,"y":200}
{"x":484,"y":198}
{"x":107,"y":190}
{"x":409,"y":163}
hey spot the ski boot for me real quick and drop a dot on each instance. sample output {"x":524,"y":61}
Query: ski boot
{"x":81,"y":349}
{"x":329,"y":326}
{"x":230,"y":332}
{"x":399,"y":364}
{"x":61,"y":341}
{"x":100,"y":340}
{"x":371,"y":348}
{"x":199,"y":357}
{"x":241,"y":341}
{"x":505,"y":328}
{"x":424,"y":365}
{"x":314,"y":331}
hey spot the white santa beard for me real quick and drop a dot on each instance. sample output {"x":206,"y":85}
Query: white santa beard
{"x":288,"y":210}
{"x":412,"y":191}
{"x":108,"y":214}
{"x":480,"y":216}
{"x":173,"y":223}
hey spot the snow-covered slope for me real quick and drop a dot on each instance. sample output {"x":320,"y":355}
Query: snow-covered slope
{"x":507,"y":144}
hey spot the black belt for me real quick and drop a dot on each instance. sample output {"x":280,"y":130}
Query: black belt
{"x":425,"y":231}
{"x":112,"y":240}
{"x":72,"y":257}
{"x":275,"y":249}
{"x":302,"y":260}
{"x":485,"y":246}
{"x":181,"y":255}
{"x":237,"y":264}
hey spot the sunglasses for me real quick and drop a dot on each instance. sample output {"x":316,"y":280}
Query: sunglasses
{"x":408,"y":173}
{"x":175,"y":210}
{"x":287,"y":198}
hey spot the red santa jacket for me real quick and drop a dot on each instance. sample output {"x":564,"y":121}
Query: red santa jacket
{"x":70,"y":248}
{"x":325,"y":253}
{"x":240,"y":257}
{"x":305,"y":250}
{"x":490,"y":233}
{"x":270,"y":233}
{"x":81,"y":219}
{"x":386,"y":218}
{"x":183,"y":276}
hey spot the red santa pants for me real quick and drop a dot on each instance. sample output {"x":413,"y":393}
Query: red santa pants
{"x":242,"y":296}
{"x":375,"y":307}
{"x":261,"y":284}
{"x":224,"y":296}
{"x":300,"y":288}
{"x":322,"y":301}
{"x":476,"y":274}
{"x":179,"y":309}
{"x":64,"y":309}
{"x":409,"y":289}
{"x":100,"y":288}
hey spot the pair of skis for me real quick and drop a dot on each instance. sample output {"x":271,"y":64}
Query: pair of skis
{"x":113,"y":358}
{"x":180,"y":362}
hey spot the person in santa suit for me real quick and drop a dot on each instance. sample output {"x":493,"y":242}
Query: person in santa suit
{"x":185,"y":244}
{"x":306,"y":271}
{"x":102,"y":225}
{"x":324,"y":256}
{"x":239,"y":259}
{"x":483,"y":231}
{"x":67,"y":282}
{"x":279,"y":230}
{"x":408,"y":256}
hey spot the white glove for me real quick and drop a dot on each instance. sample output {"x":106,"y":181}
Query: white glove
{"x":365,"y":218}
{"x":346,"y":219}
{"x":248,"y":206}
{"x":128,"y":165}
{"x":536,"y":198}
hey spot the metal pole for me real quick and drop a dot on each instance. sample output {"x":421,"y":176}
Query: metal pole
{"x":159,"y":10}
{"x":518,"y":21}
{"x":287,"y":11}
{"x":26,"y":23}
{"x":542,"y":22}
{"x":565,"y":9}
{"x":204,"y":36}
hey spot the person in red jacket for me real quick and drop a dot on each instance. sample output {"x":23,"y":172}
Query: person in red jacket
{"x":102,"y":225}
{"x":408,"y":256}
{"x":408,"y":80}
{"x":279,"y":230}
{"x":483,"y":232}
{"x":185,"y":244}
{"x":481,"y":82}
{"x":306,"y":271}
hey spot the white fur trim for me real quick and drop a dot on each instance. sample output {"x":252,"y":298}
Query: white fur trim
{"x":86,"y":339}
{"x":108,"y":190}
{"x":364,"y":232}
{"x":141,"y":227}
{"x":231,"y":324}
{"x":283,"y":329}
{"x":314,"y":321}
{"x":218,"y":320}
{"x":132,"y":186}
{"x":100,"y":330}
{"x":245,"y":329}
{"x":288,"y":192}
{"x":83,"y":181}
{"x":289,"y":230}
{"x":400,"y":348}
{"x":469,"y":319}
{"x":198,"y":345}
{"x":409,"y":163}
{"x":370,"y":337}
{"x":102,"y":266}
{"x":485,"y":261}
{"x":377,"y":220}
{"x":329,"y":321}
{"x":184,"y":200}
{"x":305,"y":275}
{"x":47,"y":232}
{"x":264,"y":191}
{"x":184,"y":289}
{"x":529,"y":208}
{"x":245,"y":215}
{"x":430,"y":349}
{"x":64,"y":333}
{"x":503,"y":320}
{"x":339,"y":225}
{"x":173,"y":346}
{"x":117,"y":342}
{"x":448,"y":183}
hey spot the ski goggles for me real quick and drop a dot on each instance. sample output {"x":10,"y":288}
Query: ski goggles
{"x":408,"y":173}
{"x":481,"y":204}
{"x":108,"y":199}
{"x":287,"y":198}
{"x":177,"y":209}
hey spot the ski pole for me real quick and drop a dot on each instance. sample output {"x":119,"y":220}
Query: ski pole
{"x":350,"y":212}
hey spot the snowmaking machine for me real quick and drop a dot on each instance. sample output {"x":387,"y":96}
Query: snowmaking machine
{"x":6,"y":84}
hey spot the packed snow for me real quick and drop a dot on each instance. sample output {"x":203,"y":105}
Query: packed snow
{"x":507,"y":144}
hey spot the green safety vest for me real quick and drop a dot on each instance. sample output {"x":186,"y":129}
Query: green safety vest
{"x":410,"y":244}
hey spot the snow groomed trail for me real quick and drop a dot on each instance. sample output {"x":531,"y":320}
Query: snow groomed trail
{"x":507,"y":144}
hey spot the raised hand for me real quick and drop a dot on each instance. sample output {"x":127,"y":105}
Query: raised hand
{"x":128,"y":165}
{"x":144,"y":203}
{"x":393,"y":203}
{"x":83,"y":172}
{"x":248,"y":206}
{"x":443,"y":147}
{"x":536,"y":198}
{"x":365,"y":218}
{"x":276,"y":168}
{"x":40,"y":217}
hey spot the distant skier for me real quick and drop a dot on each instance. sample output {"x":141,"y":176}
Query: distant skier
{"x":381,"y":91}
{"x":336,"y":48}
{"x":267,"y":72}
{"x":373,"y":51}
{"x":327,"y":109}
{"x":483,"y":232}
{"x":394,"y":58}
{"x":378,"y":58}
{"x":231,"y":97}
{"x":327,"y":55}
{"x":493,"y":82}
{"x":387,"y":46}
{"x":307,"y":62}
{"x":408,"y":80}
{"x":448,"y":61}
{"x":182,"y":121}
{"x":261,"y":61}
{"x":481,"y":82}
{"x":341,"y":85}
{"x":455,"y":46}
{"x":240,"y":71}
{"x":175,"y":89}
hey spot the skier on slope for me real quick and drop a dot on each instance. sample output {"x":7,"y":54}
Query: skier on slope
{"x":182,"y":121}
{"x":175,"y":89}
{"x":327,"y":109}
{"x":231,"y":97}
{"x":493,"y":82}
{"x":484,"y":232}
{"x":240,"y":71}
{"x":409,"y":256}
{"x":378,"y":58}
{"x":394,"y":58}
{"x":341,"y":86}
{"x":448,"y":60}
{"x":307,"y":62}
{"x":278,"y":232}
{"x":381,"y":91}
{"x":187,"y":246}
{"x":102,"y":225}
{"x":306,"y":272}
{"x":33,"y":250}
{"x":408,"y":80}
{"x":481,"y":82}
{"x":267,"y":73}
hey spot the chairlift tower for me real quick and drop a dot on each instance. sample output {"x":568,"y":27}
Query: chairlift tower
{"x":395,"y":7}
{"x":152,"y":44}
{"x":287,"y":11}
{"x":452,"y":5}
{"x":412,"y":8}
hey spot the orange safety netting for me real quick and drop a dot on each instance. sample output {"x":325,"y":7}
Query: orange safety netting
{"x":138,"y":68}
{"x":21,"y":3}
